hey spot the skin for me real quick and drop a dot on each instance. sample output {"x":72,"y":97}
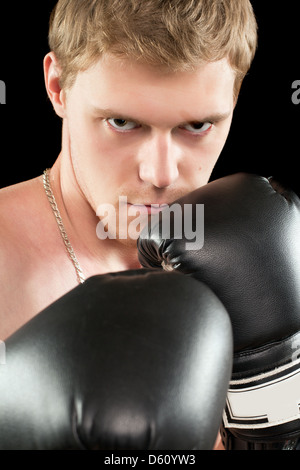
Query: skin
{"x":128,"y":130}
{"x":130,"y":144}
{"x":134,"y":136}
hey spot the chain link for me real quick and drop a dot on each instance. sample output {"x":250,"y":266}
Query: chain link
{"x":46,"y":180}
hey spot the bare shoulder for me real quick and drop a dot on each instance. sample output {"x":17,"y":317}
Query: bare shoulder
{"x":20,"y":208}
{"x":26,"y":233}
{"x":16,"y":205}
{"x":11,"y":195}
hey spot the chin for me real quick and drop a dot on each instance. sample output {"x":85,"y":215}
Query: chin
{"x":128,"y":243}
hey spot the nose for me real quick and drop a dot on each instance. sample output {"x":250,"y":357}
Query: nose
{"x":159,"y":158}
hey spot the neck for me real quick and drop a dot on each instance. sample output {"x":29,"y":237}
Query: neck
{"x":80,"y":221}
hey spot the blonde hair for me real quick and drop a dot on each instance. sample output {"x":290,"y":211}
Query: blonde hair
{"x":177,"y":34}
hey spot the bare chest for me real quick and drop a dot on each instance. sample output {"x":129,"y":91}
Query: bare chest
{"x":31,"y":288}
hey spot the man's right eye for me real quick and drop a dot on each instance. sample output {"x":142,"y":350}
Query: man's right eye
{"x":121,"y":124}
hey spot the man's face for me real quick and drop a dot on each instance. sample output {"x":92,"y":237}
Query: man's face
{"x":145,"y":134}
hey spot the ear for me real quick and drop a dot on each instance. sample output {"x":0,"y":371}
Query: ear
{"x":52,"y":74}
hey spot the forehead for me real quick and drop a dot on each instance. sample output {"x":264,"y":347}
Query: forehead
{"x":127,"y":85}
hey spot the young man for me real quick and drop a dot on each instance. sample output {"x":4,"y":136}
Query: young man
{"x":146,"y":93}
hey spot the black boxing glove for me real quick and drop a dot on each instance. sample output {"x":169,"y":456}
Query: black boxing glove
{"x":135,"y":360}
{"x":251,"y":260}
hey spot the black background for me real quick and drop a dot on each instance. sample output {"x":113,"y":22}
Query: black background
{"x":264,"y":134}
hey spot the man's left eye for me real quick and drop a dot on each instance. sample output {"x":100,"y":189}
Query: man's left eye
{"x":198,"y":127}
{"x":121,"y":124}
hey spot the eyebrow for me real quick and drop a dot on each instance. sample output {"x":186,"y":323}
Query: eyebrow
{"x":107,"y":113}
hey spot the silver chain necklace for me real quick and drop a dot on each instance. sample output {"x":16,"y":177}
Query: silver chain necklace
{"x":46,"y":180}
